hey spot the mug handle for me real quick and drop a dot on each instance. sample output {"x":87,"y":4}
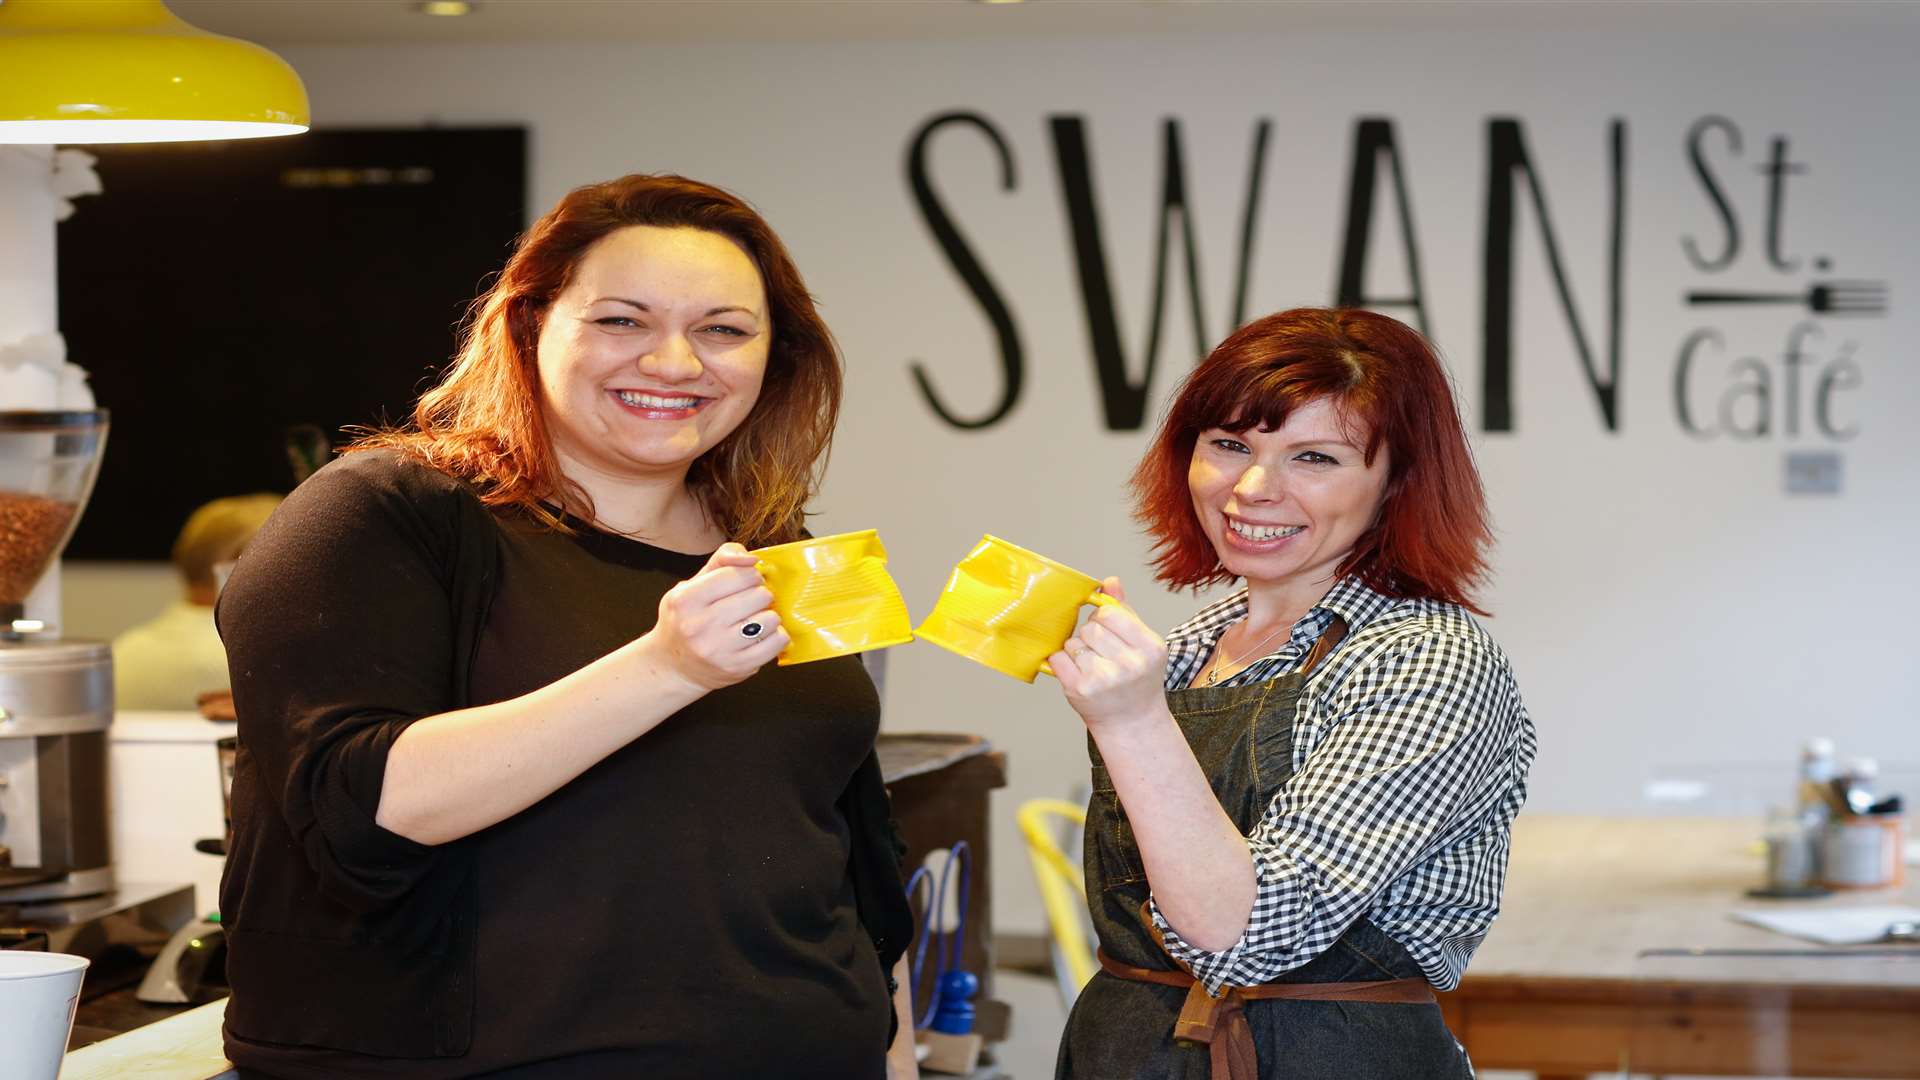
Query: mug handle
{"x":1099,"y":600}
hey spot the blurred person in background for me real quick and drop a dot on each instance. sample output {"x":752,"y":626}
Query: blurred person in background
{"x":172,"y":659}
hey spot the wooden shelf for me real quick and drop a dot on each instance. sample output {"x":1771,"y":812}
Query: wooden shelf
{"x":940,"y":786}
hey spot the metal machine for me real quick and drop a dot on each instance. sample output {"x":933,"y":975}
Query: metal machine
{"x":56,"y":695}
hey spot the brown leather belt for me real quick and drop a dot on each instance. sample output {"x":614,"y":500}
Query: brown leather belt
{"x":1220,"y":1023}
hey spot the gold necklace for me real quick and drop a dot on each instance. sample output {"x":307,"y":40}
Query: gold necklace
{"x":1221,"y":661}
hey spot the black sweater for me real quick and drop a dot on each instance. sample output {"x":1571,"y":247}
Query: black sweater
{"x":720,"y":897}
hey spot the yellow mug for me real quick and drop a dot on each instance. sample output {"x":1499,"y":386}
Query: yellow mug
{"x":834,"y":596}
{"x":1009,"y":608}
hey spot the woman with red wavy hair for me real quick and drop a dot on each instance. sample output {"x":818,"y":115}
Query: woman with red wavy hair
{"x":1302,"y":796}
{"x":519,"y":793}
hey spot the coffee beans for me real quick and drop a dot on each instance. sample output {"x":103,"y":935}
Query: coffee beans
{"x":30,"y":527}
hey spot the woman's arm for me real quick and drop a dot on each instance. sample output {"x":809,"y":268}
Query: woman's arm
{"x":451,"y":775}
{"x":1114,"y":673}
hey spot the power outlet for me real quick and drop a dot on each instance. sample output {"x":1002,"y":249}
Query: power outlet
{"x":1813,"y":472}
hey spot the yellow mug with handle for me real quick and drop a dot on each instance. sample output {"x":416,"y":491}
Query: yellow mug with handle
{"x":834,"y":596}
{"x":1009,"y":608}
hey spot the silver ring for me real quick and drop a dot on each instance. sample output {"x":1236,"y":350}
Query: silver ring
{"x":751,"y":630}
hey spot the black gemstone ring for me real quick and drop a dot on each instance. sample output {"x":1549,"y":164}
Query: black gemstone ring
{"x":752,"y":629}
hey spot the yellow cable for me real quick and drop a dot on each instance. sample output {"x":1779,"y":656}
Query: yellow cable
{"x":1062,"y":885}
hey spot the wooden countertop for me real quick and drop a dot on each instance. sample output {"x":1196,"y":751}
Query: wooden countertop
{"x":1587,"y":896}
{"x":1615,"y":949}
{"x":911,"y":754}
{"x":183,"y":1047}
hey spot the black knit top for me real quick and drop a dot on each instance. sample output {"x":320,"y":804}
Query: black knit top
{"x":718,"y":898}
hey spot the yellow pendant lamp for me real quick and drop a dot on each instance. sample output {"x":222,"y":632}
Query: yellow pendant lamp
{"x":125,"y":71}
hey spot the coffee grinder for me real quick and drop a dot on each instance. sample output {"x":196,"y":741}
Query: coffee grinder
{"x":56,"y":695}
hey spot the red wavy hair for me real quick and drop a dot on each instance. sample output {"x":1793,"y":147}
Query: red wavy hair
{"x":484,"y":423}
{"x":1432,"y":534}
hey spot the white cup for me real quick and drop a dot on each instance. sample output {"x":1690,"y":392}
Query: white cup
{"x":1862,"y":851}
{"x":38,"y":995}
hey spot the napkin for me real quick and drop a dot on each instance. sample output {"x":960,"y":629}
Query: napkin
{"x":1833,"y":925}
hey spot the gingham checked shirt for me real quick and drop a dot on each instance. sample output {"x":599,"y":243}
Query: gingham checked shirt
{"x":1410,"y":756}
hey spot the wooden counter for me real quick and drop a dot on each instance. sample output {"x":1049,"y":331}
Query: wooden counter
{"x":1614,"y":947}
{"x":183,"y":1047}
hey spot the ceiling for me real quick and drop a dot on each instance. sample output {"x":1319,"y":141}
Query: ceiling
{"x":299,"y":22}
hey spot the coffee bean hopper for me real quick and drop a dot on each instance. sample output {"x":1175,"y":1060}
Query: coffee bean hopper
{"x":56,"y":694}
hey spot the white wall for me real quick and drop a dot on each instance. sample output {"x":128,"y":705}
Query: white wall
{"x":1663,"y":601}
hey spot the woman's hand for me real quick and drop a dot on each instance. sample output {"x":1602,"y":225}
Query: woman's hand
{"x":1114,"y":668}
{"x":700,"y":633}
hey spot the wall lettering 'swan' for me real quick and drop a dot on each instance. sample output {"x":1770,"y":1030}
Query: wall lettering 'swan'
{"x":1379,"y":182}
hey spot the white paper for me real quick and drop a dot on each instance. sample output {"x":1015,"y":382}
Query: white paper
{"x":1833,"y":925}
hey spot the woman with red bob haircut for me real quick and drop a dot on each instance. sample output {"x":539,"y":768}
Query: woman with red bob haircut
{"x":1301,"y":797}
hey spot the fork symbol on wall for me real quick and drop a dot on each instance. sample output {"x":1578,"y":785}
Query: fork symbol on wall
{"x":1824,"y":298}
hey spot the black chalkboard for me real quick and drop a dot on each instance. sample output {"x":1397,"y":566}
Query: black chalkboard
{"x":219,"y":294}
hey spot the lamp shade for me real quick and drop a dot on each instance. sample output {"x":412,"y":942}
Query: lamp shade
{"x":114,"y":71}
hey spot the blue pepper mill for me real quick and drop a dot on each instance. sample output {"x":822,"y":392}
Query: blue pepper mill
{"x":954,"y":1013}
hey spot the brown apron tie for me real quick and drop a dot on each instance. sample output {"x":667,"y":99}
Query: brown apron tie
{"x":1220,"y":1023}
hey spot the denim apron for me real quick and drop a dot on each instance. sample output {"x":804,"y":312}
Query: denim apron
{"x":1122,"y":1029}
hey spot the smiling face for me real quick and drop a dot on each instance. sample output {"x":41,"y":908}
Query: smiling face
{"x":1283,"y":508}
{"x":652,"y":354}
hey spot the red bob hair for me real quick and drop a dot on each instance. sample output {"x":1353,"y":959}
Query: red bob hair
{"x":484,"y":421}
{"x":1432,"y":533}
